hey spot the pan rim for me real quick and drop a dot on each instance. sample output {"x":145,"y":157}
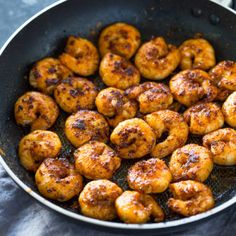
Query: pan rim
{"x":44,"y":201}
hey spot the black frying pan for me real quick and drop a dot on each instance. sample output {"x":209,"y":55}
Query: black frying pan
{"x":45,"y":35}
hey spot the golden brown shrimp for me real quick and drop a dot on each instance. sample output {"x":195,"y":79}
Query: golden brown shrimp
{"x":85,"y":126}
{"x":171,"y":122}
{"x":96,"y":160}
{"x":156,"y":59}
{"x":133,"y":138}
{"x":229,"y":110}
{"x":190,"y":198}
{"x":80,"y":56}
{"x":191,"y":162}
{"x":97,"y":200}
{"x":204,"y":118}
{"x":36,"y":110}
{"x":118,"y":72}
{"x":113,"y":104}
{"x":191,"y":86}
{"x":119,"y":38}
{"x":222,"y":144}
{"x":149,"y":176}
{"x":47,"y":73}
{"x":137,"y":208}
{"x":151,"y":96}
{"x":74,"y":94}
{"x":57,"y":179}
{"x":197,"y":54}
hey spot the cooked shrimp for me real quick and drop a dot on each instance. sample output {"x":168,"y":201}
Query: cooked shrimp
{"x":85,"y":126}
{"x":119,"y":38}
{"x":118,"y":72}
{"x":57,"y":179}
{"x":222,"y":144}
{"x":46,"y":74}
{"x":133,"y":138}
{"x":171,"y":122}
{"x":97,"y":200}
{"x":73,"y":94}
{"x":149,"y":176}
{"x":191,"y":162}
{"x":137,"y":208}
{"x":96,"y":160}
{"x":151,"y":96}
{"x":36,"y":110}
{"x":197,"y":54}
{"x":229,"y":110}
{"x":190,"y":198}
{"x":80,"y":56}
{"x":113,"y":104}
{"x":156,"y":59}
{"x":204,"y":118}
{"x":191,"y":86}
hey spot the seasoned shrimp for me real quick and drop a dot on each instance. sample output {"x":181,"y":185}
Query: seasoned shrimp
{"x":133,"y":138}
{"x":204,"y":118}
{"x":85,"y":126}
{"x":97,"y":200}
{"x":118,"y":72}
{"x":151,"y":96}
{"x":229,"y":110}
{"x":36,"y":110}
{"x":96,"y":160}
{"x":191,"y":162}
{"x":46,"y":74}
{"x":119,"y":38}
{"x":113,"y":104}
{"x":73,"y":94}
{"x":137,"y":208}
{"x":156,"y":59}
{"x":190,"y":198}
{"x":197,"y":54}
{"x":222,"y":144}
{"x":149,"y":176}
{"x":80,"y":56}
{"x":191,"y":86}
{"x":171,"y":122}
{"x":57,"y":179}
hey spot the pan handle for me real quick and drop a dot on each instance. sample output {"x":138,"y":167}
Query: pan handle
{"x":224,"y":3}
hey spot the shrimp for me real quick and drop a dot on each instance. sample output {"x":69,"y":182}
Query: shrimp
{"x":118,"y":72}
{"x":113,"y":104}
{"x":46,"y":74}
{"x":57,"y":179}
{"x":119,"y":38}
{"x":190,"y":198}
{"x":171,"y":122}
{"x":156,"y":59}
{"x":197,"y":54}
{"x":133,"y":138}
{"x":151,"y":96}
{"x":204,"y":118}
{"x":229,"y":110}
{"x":191,"y":162}
{"x":222,"y":144}
{"x":80,"y":56}
{"x":149,"y":176}
{"x":137,"y":208}
{"x":73,"y":94}
{"x":36,"y":110}
{"x":97,"y":200}
{"x":85,"y":126}
{"x":191,"y":86}
{"x":96,"y":160}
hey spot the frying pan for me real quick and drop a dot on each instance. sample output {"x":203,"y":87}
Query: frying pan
{"x":45,"y":34}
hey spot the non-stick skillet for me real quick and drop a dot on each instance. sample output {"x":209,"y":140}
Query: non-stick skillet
{"x":45,"y":35}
